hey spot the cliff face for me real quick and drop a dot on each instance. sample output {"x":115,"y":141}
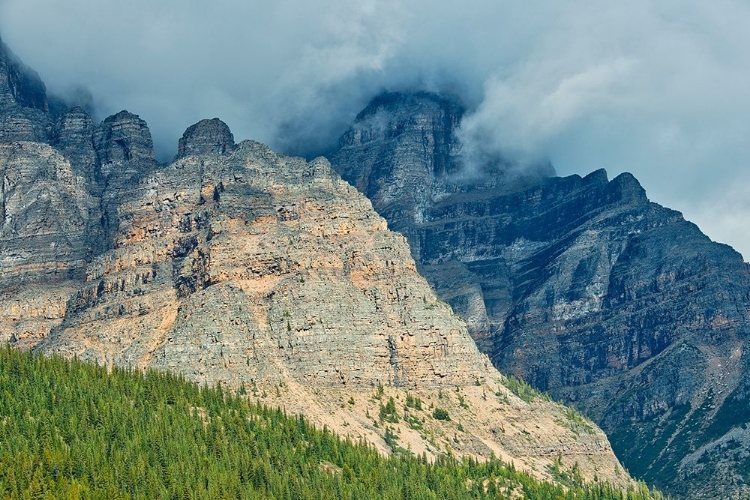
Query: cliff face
{"x":263,"y":272}
{"x":23,"y":101}
{"x":223,"y":254}
{"x":582,"y":287}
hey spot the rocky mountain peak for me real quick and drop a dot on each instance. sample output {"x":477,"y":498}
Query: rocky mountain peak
{"x":629,"y":189}
{"x":206,"y":137}
{"x":405,"y":118}
{"x":401,"y":152}
{"x":586,"y":289}
{"x":124,"y":137}
{"x":19,"y":84}
{"x":402,"y":104}
{"x":75,"y":139}
{"x":23,"y":101}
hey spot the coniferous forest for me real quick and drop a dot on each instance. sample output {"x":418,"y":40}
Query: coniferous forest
{"x":70,"y":429}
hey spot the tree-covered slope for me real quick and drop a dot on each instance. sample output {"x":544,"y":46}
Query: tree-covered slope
{"x":73,"y":430}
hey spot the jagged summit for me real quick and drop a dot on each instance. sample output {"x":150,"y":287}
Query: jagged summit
{"x":411,"y":102}
{"x":124,"y":137}
{"x":585,"y":288}
{"x":206,"y":137}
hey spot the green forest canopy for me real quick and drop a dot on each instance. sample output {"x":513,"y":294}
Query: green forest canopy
{"x":70,"y":429}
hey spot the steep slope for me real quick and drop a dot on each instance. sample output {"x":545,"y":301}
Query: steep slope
{"x":582,"y":287}
{"x":262,"y":272}
{"x":56,"y":444}
{"x":24,"y":107}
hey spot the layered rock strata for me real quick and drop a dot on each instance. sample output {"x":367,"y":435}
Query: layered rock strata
{"x":263,"y":272}
{"x":23,"y":101}
{"x":581,"y":286}
{"x":206,"y":137}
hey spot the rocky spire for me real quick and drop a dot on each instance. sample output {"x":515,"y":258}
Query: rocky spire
{"x":124,"y":138}
{"x":75,"y":139}
{"x":206,"y":137}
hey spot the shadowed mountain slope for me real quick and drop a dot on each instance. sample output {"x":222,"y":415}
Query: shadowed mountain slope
{"x":581,"y":286}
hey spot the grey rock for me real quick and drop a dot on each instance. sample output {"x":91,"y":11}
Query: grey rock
{"x":206,"y":137}
{"x":581,"y":286}
{"x":75,"y":140}
{"x":23,"y":101}
{"x":124,"y":138}
{"x":125,"y":152}
{"x":45,"y":209}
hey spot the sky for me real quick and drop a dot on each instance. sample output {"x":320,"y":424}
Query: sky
{"x":660,"y":89}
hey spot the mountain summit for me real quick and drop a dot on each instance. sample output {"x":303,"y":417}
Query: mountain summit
{"x":579,"y":285}
{"x":266,"y":273}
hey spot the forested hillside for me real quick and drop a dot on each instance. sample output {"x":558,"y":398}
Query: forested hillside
{"x":73,"y":430}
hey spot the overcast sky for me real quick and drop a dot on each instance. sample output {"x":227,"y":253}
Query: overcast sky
{"x":657,"y":88}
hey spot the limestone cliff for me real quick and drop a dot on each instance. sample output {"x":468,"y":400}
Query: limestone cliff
{"x":263,"y":272}
{"x":581,"y":286}
{"x":23,"y":101}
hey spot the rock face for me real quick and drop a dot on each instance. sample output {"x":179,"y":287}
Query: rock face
{"x":123,"y":140}
{"x":268,"y":272}
{"x":582,"y":287}
{"x":262,"y":272}
{"x":45,"y":210}
{"x":75,"y":140}
{"x":23,"y":101}
{"x":206,"y":137}
{"x":232,"y":251}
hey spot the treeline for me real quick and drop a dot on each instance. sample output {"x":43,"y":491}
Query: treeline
{"x":73,"y":430}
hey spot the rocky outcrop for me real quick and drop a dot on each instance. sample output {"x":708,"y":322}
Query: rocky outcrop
{"x":403,"y":153}
{"x":123,"y":140}
{"x":75,"y":140}
{"x":586,"y":289}
{"x":206,"y":137}
{"x":23,"y":101}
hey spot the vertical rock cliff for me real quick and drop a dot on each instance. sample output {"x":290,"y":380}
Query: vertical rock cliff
{"x":581,"y":286}
{"x":23,"y":101}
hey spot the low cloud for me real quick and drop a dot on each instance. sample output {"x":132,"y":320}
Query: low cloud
{"x":660,"y":89}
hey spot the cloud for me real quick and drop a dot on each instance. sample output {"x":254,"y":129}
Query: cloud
{"x":657,"y":88}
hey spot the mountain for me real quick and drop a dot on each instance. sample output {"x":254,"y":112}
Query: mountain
{"x":262,"y":272}
{"x":580,"y":286}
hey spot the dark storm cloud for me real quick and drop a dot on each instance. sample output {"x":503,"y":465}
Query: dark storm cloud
{"x":661,"y":89}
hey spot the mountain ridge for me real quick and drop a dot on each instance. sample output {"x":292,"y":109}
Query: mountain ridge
{"x":238,"y":265}
{"x":583,"y":287}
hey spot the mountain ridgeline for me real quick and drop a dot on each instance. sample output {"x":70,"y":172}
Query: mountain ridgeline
{"x":263,"y":272}
{"x":580,"y":286}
